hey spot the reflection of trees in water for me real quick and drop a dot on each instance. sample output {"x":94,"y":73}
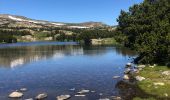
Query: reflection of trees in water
{"x":12,"y":57}
{"x":15,"y":56}
{"x":125,"y":51}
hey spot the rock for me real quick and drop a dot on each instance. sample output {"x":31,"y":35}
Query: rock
{"x":159,"y":83}
{"x":115,"y":77}
{"x":93,"y":91}
{"x":128,"y":65}
{"x":73,"y":89}
{"x":100,"y":94}
{"x":16,"y":95}
{"x":116,"y":98}
{"x":41,"y":96}
{"x":139,"y":78}
{"x":63,"y":97}
{"x":166,"y":94}
{"x":126,"y":77}
{"x":23,"y":89}
{"x":166,"y":73}
{"x":29,"y":99}
{"x":83,"y":91}
{"x":105,"y":99}
{"x":141,"y":66}
{"x":127,"y":71}
{"x":80,"y":95}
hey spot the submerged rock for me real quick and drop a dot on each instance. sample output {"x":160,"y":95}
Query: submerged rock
{"x":83,"y":91}
{"x":139,"y":78}
{"x":41,"y":96}
{"x":16,"y":95}
{"x":23,"y":89}
{"x":73,"y":89}
{"x":63,"y":97}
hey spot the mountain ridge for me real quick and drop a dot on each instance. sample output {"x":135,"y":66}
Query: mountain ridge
{"x":18,"y":21}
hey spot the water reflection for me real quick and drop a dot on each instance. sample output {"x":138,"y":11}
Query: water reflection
{"x":11,"y":57}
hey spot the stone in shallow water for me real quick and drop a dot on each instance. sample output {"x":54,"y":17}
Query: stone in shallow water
{"x":29,"y":99}
{"x":115,"y":77}
{"x":105,"y":99}
{"x":41,"y":96}
{"x":16,"y":95}
{"x":23,"y":89}
{"x":116,"y":98}
{"x":81,"y":95}
{"x":128,"y":65}
{"x":63,"y":97}
{"x":83,"y":91}
{"x":127,"y":71}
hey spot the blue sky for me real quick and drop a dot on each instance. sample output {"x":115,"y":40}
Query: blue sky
{"x":68,"y":10}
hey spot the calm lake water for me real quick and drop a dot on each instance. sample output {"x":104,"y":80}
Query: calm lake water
{"x":57,"y":67}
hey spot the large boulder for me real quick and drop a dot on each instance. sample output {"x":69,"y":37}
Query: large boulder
{"x":16,"y":95}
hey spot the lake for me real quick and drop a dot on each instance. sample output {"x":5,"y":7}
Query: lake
{"x":57,"y":67}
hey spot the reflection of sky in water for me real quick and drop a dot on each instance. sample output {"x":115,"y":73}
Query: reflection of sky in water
{"x":57,"y":68}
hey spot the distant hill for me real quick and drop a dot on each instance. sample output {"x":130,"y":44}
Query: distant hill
{"x":7,"y":20}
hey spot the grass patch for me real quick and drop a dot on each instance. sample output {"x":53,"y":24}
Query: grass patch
{"x":154,"y":75}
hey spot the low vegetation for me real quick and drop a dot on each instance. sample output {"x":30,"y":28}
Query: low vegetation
{"x":157,"y":84}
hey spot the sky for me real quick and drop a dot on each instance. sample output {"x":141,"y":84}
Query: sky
{"x":71,"y":11}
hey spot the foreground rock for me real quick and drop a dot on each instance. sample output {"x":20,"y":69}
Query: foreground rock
{"x":41,"y":96}
{"x":83,"y":91}
{"x":16,"y":95}
{"x":139,"y":78}
{"x":63,"y":97}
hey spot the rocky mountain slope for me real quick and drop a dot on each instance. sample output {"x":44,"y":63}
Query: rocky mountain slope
{"x":7,"y":20}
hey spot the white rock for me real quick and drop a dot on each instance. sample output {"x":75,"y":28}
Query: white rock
{"x":80,"y":95}
{"x":41,"y":96}
{"x":105,"y":99}
{"x":166,"y":94}
{"x":73,"y":89}
{"x":63,"y":97}
{"x":126,"y":77}
{"x":159,"y":83}
{"x":141,"y":66}
{"x":139,"y":78}
{"x":83,"y":91}
{"x":127,"y":71}
{"x":23,"y":89}
{"x":128,"y":64}
{"x":166,"y":73}
{"x":116,"y":77}
{"x":29,"y":99}
{"x":16,"y":95}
